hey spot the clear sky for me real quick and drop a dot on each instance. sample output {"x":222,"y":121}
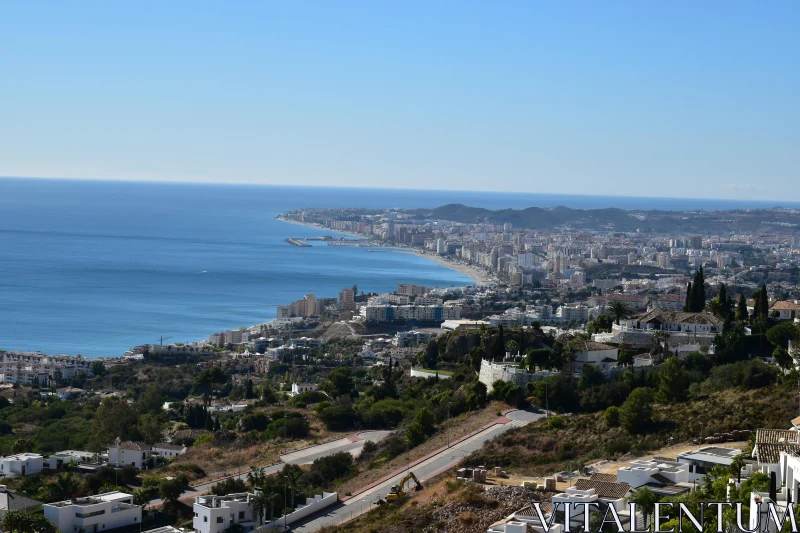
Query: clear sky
{"x":684,"y":99}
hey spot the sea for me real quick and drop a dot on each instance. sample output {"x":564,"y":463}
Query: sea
{"x":97,"y":267}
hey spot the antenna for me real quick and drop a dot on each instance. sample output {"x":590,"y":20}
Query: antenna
{"x":162,"y":339}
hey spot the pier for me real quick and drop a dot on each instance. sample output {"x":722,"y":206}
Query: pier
{"x":298,"y":242}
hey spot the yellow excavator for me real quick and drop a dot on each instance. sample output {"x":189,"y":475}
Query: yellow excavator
{"x":398,"y":491}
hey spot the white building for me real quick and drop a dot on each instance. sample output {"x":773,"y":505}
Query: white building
{"x":132,"y":453}
{"x":59,"y":459}
{"x":215,"y":514}
{"x":168,"y":450}
{"x":700,"y":461}
{"x":421,"y":313}
{"x":573,"y":313}
{"x":594,"y":353}
{"x":21,"y":464}
{"x":300,"y":388}
{"x":441,"y":247}
{"x":657,"y":472}
{"x":68,"y":393}
{"x":94,"y":514}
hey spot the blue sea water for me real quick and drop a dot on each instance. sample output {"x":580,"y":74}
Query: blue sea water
{"x":97,"y":267}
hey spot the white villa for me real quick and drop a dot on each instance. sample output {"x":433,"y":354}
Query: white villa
{"x":94,"y":514}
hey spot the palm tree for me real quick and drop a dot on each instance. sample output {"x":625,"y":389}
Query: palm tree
{"x":661,"y":343}
{"x":646,"y":499}
{"x":259,"y":503}
{"x":274,"y":496}
{"x":619,"y":310}
{"x":63,"y":488}
{"x":293,"y":476}
{"x":256,"y":477}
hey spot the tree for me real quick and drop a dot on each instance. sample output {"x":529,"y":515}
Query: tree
{"x":63,"y":487}
{"x":782,"y":357}
{"x":340,"y":382}
{"x":660,"y":342}
{"x":141,"y":497}
{"x":151,"y":427}
{"x":619,"y":310}
{"x":645,"y":499}
{"x":228,"y":486}
{"x":636,"y":413}
{"x":687,"y":305}
{"x":23,"y":522}
{"x":500,"y":345}
{"x":293,"y":475}
{"x":22,"y":446}
{"x":151,"y":400}
{"x":781,"y":334}
{"x":114,"y":418}
{"x":537,"y":358}
{"x":673,"y":384}
{"x":611,"y":417}
{"x":741,"y":309}
{"x":209,"y":377}
{"x":170,"y":490}
{"x":259,"y":503}
{"x":98,"y":368}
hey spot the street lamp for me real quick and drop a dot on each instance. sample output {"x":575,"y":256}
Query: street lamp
{"x":284,"y":500}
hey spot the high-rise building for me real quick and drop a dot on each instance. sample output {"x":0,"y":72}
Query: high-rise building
{"x":347,"y":300}
{"x":441,"y":246}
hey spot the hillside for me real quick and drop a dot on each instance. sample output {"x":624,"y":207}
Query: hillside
{"x":702,"y":222}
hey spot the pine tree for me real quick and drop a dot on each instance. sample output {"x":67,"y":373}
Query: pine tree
{"x":500,"y":346}
{"x":723,"y":296}
{"x":763,"y":303}
{"x":741,"y":308}
{"x":687,"y":306}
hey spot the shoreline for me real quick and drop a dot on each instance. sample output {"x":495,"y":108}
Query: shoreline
{"x":479,"y":276}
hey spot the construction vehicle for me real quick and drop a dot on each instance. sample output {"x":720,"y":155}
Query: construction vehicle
{"x":398,"y":491}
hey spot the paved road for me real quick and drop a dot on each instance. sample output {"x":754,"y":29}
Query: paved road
{"x":301,"y":457}
{"x":425,"y":470}
{"x":307,"y":456}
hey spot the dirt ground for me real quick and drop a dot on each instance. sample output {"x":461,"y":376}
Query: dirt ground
{"x":459,"y":426}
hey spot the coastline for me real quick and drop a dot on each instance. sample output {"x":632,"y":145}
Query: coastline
{"x":476,"y":274}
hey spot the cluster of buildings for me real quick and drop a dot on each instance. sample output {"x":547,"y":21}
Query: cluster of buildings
{"x":27,"y":368}
{"x":776,"y":453}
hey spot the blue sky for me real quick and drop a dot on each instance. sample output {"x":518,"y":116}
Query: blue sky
{"x":682,"y":99}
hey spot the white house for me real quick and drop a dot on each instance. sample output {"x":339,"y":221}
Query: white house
{"x":700,"y":461}
{"x":603,"y":356}
{"x":593,"y":491}
{"x":21,"y":464}
{"x":129,"y":453}
{"x":168,"y":450}
{"x":94,"y":514}
{"x":299,"y":388}
{"x":68,"y":393}
{"x":59,"y":459}
{"x":674,"y":321}
{"x":215,"y":514}
{"x":785,"y":309}
{"x":662,"y":476}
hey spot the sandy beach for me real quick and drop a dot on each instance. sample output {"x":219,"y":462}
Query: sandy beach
{"x":476,"y":274}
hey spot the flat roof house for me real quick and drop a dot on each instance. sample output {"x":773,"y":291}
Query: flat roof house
{"x":94,"y":514}
{"x":21,"y":464}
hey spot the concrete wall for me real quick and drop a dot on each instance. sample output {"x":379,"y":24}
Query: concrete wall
{"x":420,"y":374}
{"x":313,"y":505}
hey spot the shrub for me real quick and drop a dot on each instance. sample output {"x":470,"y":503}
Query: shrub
{"x":611,"y":417}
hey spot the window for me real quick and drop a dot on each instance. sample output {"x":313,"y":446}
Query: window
{"x":195,"y":514}
{"x":241,"y":515}
{"x":219,"y":520}
{"x":205,"y":519}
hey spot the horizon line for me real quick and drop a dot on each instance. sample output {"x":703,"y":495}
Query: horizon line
{"x":482,"y":191}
